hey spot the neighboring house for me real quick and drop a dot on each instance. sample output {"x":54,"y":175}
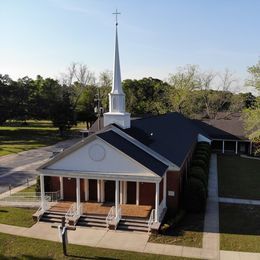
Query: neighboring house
{"x":128,"y":173}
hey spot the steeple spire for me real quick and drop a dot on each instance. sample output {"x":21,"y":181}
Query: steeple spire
{"x":117,"y":112}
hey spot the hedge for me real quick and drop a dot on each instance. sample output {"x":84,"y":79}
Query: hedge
{"x":202,"y":164}
{"x":198,"y":173}
{"x":195,"y":195}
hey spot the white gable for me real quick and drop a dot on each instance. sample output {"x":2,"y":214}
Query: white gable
{"x":99,"y":157}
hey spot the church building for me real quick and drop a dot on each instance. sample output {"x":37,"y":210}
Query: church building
{"x":125,"y":175}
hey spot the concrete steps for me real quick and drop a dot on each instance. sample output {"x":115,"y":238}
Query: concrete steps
{"x":92,"y":220}
{"x":133,"y":224}
{"x":52,"y":217}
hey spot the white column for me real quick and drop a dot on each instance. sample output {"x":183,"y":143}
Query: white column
{"x":98,"y":191}
{"x":223,"y":146}
{"x":116,"y":196}
{"x":137,"y":192}
{"x":42,"y":191}
{"x":78,"y":194}
{"x":165,"y":190}
{"x":125,"y":192}
{"x":86,"y":188}
{"x":102,"y":187}
{"x":61,"y":189}
{"x":121,"y":192}
{"x":157,"y":187}
{"x":236,"y":146}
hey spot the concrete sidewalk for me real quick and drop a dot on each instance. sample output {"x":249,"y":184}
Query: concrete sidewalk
{"x":211,"y":220}
{"x":239,"y":201}
{"x":122,"y":240}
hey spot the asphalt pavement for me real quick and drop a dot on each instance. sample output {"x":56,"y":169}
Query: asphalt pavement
{"x":16,"y":169}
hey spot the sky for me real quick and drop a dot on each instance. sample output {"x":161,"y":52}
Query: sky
{"x":155,"y":37}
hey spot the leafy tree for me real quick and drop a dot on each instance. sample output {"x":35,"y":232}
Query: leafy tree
{"x":252,"y":114}
{"x":182,"y":84}
{"x":146,"y":96}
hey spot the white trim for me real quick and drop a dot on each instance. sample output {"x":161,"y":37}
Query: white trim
{"x":99,"y":175}
{"x":121,"y":192}
{"x":116,"y":196}
{"x":236,"y":147}
{"x":98,"y":191}
{"x":157,"y":193}
{"x":78,"y":194}
{"x":223,"y":146}
{"x":137,"y":192}
{"x":165,"y":190}
{"x":102,"y":187}
{"x":203,"y":138}
{"x":61,"y":188}
{"x":42,"y":191}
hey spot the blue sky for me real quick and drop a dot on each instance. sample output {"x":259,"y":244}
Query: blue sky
{"x":155,"y":37}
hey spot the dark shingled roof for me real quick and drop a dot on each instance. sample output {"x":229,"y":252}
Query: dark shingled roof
{"x":134,"y":152}
{"x":224,"y":127}
{"x":171,"y":135}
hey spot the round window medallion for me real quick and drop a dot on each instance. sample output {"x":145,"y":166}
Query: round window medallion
{"x":97,"y":152}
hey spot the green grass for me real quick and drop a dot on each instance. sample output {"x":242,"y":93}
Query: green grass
{"x":15,"y":139}
{"x":16,"y":247}
{"x":189,"y":232}
{"x":238,"y":177}
{"x":239,"y":227}
{"x":28,"y":189}
{"x":17,"y":216}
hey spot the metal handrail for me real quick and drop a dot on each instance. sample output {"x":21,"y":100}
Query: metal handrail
{"x":44,"y":206}
{"x":151,"y":219}
{"x":71,"y":212}
{"x":110,"y":216}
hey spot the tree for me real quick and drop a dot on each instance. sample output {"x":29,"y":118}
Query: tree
{"x":182,"y":84}
{"x":252,"y":114}
{"x":77,"y":78}
{"x":146,"y":96}
{"x":6,"y":91}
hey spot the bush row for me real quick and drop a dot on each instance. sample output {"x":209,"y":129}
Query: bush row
{"x":196,"y":188}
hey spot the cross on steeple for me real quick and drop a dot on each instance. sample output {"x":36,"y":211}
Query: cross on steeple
{"x":116,"y":13}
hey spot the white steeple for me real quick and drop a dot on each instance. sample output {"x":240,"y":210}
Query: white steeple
{"x":117,"y":112}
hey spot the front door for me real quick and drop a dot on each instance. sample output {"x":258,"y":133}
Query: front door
{"x":93,"y":190}
{"x":131,"y":192}
{"x":110,"y":191}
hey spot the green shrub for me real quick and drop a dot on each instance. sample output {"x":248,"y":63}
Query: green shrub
{"x":201,"y":164}
{"x":177,"y":219}
{"x":202,"y":157}
{"x":198,"y":173}
{"x":195,"y":195}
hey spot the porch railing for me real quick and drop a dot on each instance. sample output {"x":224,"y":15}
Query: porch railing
{"x":45,"y":205}
{"x":113,"y":216}
{"x":151,"y":220}
{"x":73,"y":213}
{"x":32,"y":197}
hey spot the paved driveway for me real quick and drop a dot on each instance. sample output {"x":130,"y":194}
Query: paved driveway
{"x":15,"y":169}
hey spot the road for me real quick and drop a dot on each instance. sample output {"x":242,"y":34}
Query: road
{"x":15,"y":169}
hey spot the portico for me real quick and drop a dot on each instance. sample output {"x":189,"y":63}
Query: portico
{"x":125,"y":192}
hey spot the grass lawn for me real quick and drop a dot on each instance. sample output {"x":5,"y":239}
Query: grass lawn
{"x":239,"y":227}
{"x":189,"y":232}
{"x":28,"y":189}
{"x":16,"y":247}
{"x":17,"y":216}
{"x":238,"y":177}
{"x":37,"y":134}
